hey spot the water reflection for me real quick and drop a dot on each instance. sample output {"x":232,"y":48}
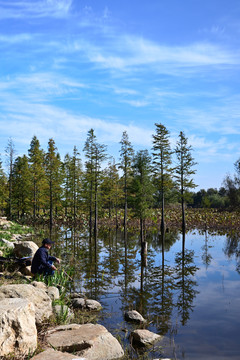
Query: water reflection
{"x":232,"y":248}
{"x":168,"y":290}
{"x":206,"y":256}
{"x":185,"y":283}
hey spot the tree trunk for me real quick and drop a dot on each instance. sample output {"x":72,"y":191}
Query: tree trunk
{"x":162,"y":220}
{"x":183,"y":217}
{"x":51,"y":207}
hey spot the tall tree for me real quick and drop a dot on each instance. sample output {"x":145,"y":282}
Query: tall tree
{"x":21,"y":186}
{"x":89,"y":150}
{"x":66,"y":184}
{"x":95,"y":154}
{"x":162,"y":164}
{"x":111,"y":191}
{"x":232,"y":185}
{"x":73,"y":175}
{"x":54,"y":175}
{"x":3,"y":189}
{"x":126,"y":157}
{"x":37,"y":175}
{"x":10,"y":154}
{"x":184,"y":171}
{"x":142,"y":187}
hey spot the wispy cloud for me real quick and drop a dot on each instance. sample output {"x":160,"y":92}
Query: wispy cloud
{"x":136,"y":103}
{"x":129,"y":51}
{"x":14,"y":39}
{"x":66,"y":128}
{"x":39,"y":86}
{"x":34,"y":9}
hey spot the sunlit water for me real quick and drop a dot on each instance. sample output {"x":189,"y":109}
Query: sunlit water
{"x":190,"y":297}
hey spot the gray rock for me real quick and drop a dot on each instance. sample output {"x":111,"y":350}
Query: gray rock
{"x":17,"y":327}
{"x":7,"y":243}
{"x":39,"y":285}
{"x":78,"y":303}
{"x":64,"y":312}
{"x":76,"y":295}
{"x":144,"y":337}
{"x":26,"y":271}
{"x":93,"y":305}
{"x":53,"y":292}
{"x":41,"y":301}
{"x":51,"y":354}
{"x":134,"y":316}
{"x":25,"y":248}
{"x":88,"y":341}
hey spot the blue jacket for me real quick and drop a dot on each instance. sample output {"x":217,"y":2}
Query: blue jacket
{"x":40,"y":262}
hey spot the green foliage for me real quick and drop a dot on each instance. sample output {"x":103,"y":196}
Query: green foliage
{"x":3,"y":189}
{"x":41,"y":186}
{"x":21,"y":186}
{"x":37,"y":176}
{"x":72,"y":183}
{"x":61,"y":279}
{"x":6,"y":250}
{"x":54,"y":176}
{"x":126,"y":157}
{"x":185,"y":163}
{"x":142,"y":185}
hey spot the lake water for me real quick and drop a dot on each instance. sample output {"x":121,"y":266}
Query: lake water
{"x":189,"y":295}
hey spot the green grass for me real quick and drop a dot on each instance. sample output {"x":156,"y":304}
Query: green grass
{"x":15,"y":228}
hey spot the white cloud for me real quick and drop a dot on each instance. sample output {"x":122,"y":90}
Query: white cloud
{"x":128,"y":52}
{"x":136,"y":103}
{"x":40,"y":86}
{"x":14,"y":39}
{"x":27,"y":119}
{"x":34,"y":9}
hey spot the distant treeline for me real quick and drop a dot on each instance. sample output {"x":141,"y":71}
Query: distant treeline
{"x":42,"y":184}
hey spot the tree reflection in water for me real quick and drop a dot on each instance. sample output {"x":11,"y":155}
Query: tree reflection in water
{"x":112,"y":263}
{"x":206,"y":257}
{"x":184,"y":281}
{"x":232,"y":248}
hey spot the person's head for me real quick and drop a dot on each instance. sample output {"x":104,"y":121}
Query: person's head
{"x":47,"y":243}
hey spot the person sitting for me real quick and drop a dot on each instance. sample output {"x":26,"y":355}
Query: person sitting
{"x":42,"y":263}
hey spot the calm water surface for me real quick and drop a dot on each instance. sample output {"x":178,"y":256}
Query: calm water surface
{"x":190,"y":294}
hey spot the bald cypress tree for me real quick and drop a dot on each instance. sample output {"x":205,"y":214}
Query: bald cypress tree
{"x":142,"y":188}
{"x":184,"y":171}
{"x":37,"y":175}
{"x":126,"y":158}
{"x":95,"y":154}
{"x":162,"y":160}
{"x":10,"y":157}
{"x":54,"y":175}
{"x":3,"y":189}
{"x":21,"y":202}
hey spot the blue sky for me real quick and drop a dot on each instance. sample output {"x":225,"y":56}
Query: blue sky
{"x":70,"y":65}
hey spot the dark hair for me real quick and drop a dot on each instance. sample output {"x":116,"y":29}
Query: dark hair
{"x":47,"y":241}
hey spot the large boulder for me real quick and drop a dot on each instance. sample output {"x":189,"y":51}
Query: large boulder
{"x":88,"y":341}
{"x":52,"y":291}
{"x":54,"y":355}
{"x":39,"y":297}
{"x":18,"y":332}
{"x":25,"y":248}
